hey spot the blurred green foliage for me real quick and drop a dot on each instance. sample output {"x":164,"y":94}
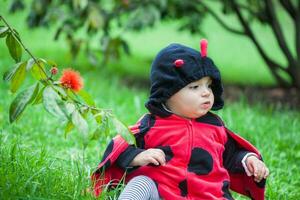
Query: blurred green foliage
{"x":108,"y":20}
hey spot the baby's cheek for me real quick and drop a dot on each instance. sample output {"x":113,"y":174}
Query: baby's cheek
{"x":212,"y":99}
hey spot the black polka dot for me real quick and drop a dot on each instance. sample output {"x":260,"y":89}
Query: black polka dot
{"x":183,"y":188}
{"x":201,"y":162}
{"x":146,"y":123}
{"x":104,"y":167}
{"x":225,"y":189}
{"x":108,"y":150}
{"x":107,"y":164}
{"x":261,"y":184}
{"x":168,"y":152}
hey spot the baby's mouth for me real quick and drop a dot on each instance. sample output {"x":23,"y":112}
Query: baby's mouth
{"x":205,"y":104}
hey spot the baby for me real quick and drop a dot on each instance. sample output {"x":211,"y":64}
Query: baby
{"x":183,"y":151}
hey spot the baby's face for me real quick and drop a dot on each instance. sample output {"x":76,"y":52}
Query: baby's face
{"x":194,"y":100}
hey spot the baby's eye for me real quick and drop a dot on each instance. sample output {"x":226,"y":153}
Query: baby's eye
{"x":209,"y":86}
{"x":194,"y":87}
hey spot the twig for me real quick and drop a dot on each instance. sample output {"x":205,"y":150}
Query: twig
{"x":91,"y":107}
{"x":221,"y":22}
{"x":48,"y":78}
{"x":24,"y":47}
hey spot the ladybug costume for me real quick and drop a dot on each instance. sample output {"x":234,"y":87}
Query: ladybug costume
{"x":203,"y":157}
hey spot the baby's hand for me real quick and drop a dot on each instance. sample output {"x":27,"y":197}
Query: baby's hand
{"x":154,"y":156}
{"x":257,"y":168}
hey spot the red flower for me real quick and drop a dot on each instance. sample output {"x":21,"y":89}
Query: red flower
{"x":71,"y":79}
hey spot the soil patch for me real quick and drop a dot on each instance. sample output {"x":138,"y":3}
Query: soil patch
{"x":271,"y":95}
{"x":289,"y":98}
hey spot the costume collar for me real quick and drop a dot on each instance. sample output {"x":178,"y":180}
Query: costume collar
{"x":208,"y":118}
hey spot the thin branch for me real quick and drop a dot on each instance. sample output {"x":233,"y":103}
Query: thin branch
{"x":278,"y":32}
{"x":288,"y":6}
{"x":90,"y":107}
{"x":24,"y":47}
{"x":221,"y":22}
{"x":250,"y":33}
{"x":272,"y":64}
{"x":49,"y":78}
{"x":247,"y":8}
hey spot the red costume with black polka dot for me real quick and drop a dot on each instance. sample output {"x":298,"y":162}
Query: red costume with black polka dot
{"x":203,"y":159}
{"x":203,"y":156}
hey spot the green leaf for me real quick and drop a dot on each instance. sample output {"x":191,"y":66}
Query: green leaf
{"x":38,"y":71}
{"x":106,"y":125}
{"x":81,"y":124}
{"x":3,"y":31}
{"x":80,"y":4}
{"x":70,"y":126}
{"x":123,"y":131}
{"x":95,"y":20}
{"x":103,"y":130}
{"x":53,"y":103}
{"x":10,"y":73}
{"x":18,"y":77}
{"x":39,"y":97}
{"x":69,"y":109}
{"x":14,"y":47}
{"x":106,"y":128}
{"x":125,"y":47}
{"x":30,"y":63}
{"x":98,"y":116}
{"x":86,"y":97}
{"x":70,"y":93}
{"x":35,"y":93}
{"x":42,"y":60}
{"x":21,"y":101}
{"x":51,"y":63}
{"x":62,"y":92}
{"x":96,"y":134}
{"x":84,"y":110}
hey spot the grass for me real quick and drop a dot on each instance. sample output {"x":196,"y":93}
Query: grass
{"x":37,"y":162}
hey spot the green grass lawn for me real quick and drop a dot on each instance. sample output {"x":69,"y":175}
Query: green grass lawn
{"x":37,"y":162}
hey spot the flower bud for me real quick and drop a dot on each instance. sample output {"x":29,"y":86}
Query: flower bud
{"x":54,"y":70}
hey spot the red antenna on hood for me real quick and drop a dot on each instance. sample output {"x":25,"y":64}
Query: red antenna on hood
{"x":203,"y":47}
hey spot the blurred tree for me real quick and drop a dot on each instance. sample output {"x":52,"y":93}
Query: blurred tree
{"x":266,"y":12}
{"x":101,"y":18}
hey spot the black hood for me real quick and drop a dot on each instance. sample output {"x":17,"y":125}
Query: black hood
{"x":169,"y":76}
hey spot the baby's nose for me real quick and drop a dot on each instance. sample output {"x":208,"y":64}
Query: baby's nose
{"x":205,"y":92}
